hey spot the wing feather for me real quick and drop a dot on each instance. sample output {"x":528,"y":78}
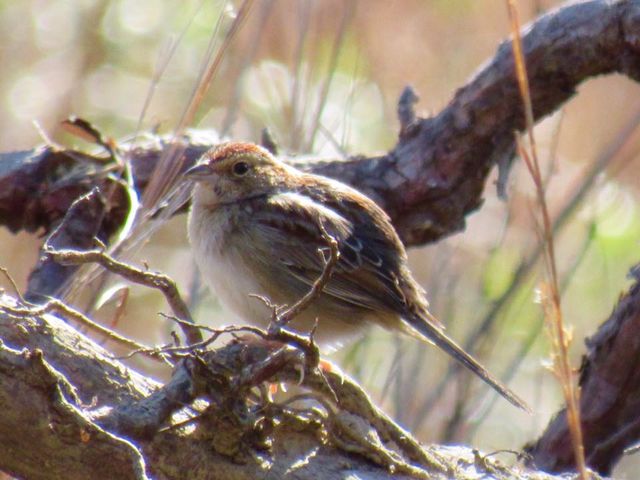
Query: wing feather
{"x":292,"y":222}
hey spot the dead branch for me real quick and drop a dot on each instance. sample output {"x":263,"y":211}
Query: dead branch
{"x":101,"y":402}
{"x":436,"y":173}
{"x":428,"y":183}
{"x":150,"y":279}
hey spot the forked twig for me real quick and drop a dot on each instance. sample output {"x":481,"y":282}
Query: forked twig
{"x":185,"y":350}
{"x":317,"y":287}
{"x":155,"y":280}
{"x":58,"y":307}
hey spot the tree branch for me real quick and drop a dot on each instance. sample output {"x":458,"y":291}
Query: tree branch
{"x":428,"y":183}
{"x":102,"y":410}
{"x":436,"y":173}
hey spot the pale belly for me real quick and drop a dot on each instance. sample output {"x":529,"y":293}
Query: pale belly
{"x":224,"y":274}
{"x":236,"y":288}
{"x":229,"y":281}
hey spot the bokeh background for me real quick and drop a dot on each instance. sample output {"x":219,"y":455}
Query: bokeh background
{"x":324,"y":77}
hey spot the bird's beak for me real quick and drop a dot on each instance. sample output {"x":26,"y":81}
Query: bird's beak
{"x":198,"y":172}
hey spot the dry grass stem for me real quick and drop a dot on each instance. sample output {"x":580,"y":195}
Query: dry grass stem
{"x":347,"y":16}
{"x":553,"y":311}
{"x":14,"y":285}
{"x":169,"y":165}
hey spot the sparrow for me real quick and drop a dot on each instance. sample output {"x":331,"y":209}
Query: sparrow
{"x":257,"y":226}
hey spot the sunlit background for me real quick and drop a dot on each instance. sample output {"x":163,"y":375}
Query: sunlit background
{"x":324,"y":77}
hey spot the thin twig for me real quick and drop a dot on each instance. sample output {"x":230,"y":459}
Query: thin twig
{"x":150,"y":279}
{"x":14,"y":285}
{"x":58,"y":307}
{"x":317,"y":287}
{"x":186,"y":350}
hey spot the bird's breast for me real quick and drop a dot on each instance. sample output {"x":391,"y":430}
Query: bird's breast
{"x":218,"y":245}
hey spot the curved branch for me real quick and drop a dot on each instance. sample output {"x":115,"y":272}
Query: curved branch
{"x":428,"y":183}
{"x":436,"y":173}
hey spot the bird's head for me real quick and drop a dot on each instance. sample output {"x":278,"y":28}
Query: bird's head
{"x":234,"y":171}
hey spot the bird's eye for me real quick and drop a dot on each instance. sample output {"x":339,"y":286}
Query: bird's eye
{"x":240,"y":168}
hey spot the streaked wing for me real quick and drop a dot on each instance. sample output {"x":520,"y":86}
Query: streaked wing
{"x":291,"y":223}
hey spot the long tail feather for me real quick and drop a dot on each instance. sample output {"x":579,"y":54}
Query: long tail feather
{"x":425,"y":327}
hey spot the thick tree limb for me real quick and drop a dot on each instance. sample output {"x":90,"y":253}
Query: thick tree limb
{"x":436,"y":173}
{"x":435,"y":176}
{"x":70,"y":390}
{"x":31,"y":387}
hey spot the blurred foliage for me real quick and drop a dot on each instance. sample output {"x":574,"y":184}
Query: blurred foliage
{"x":324,"y":76}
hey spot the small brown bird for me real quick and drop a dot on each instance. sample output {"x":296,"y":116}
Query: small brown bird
{"x":256,"y":225}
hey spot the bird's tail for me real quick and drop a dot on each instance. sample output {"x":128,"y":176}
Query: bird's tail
{"x":426,"y":327}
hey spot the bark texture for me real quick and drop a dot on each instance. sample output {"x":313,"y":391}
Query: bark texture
{"x":69,"y":410}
